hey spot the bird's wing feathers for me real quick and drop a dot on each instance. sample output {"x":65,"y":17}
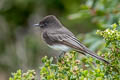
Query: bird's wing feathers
{"x":62,"y":38}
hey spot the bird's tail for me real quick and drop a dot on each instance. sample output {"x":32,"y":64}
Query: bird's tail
{"x":87,"y":51}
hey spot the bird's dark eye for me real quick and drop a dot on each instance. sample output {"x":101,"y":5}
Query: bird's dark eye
{"x":42,"y":25}
{"x":45,"y":24}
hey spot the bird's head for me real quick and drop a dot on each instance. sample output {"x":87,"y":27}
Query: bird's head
{"x":49,"y":21}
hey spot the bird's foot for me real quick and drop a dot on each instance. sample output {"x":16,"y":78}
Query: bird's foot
{"x":61,"y":56}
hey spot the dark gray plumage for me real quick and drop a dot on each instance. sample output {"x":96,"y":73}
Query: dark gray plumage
{"x":54,"y":33}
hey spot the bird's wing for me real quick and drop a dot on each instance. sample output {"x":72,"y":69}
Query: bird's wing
{"x":62,"y":38}
{"x":71,"y":41}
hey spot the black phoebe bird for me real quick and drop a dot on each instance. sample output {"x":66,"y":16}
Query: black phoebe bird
{"x":60,"y":38}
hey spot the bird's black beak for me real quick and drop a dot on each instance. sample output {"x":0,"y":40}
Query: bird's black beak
{"x":37,"y":25}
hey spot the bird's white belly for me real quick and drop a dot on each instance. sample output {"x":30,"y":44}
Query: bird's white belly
{"x":60,"y":47}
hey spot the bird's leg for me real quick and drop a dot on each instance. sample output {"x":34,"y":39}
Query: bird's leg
{"x":62,"y":54}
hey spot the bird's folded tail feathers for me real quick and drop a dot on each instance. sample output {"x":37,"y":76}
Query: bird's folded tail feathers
{"x":87,"y":51}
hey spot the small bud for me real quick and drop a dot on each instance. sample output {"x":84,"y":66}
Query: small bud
{"x":77,"y":61}
{"x":62,"y":62}
{"x":75,"y":69}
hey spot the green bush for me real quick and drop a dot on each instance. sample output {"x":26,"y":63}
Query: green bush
{"x":29,"y":75}
{"x":74,"y":67}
